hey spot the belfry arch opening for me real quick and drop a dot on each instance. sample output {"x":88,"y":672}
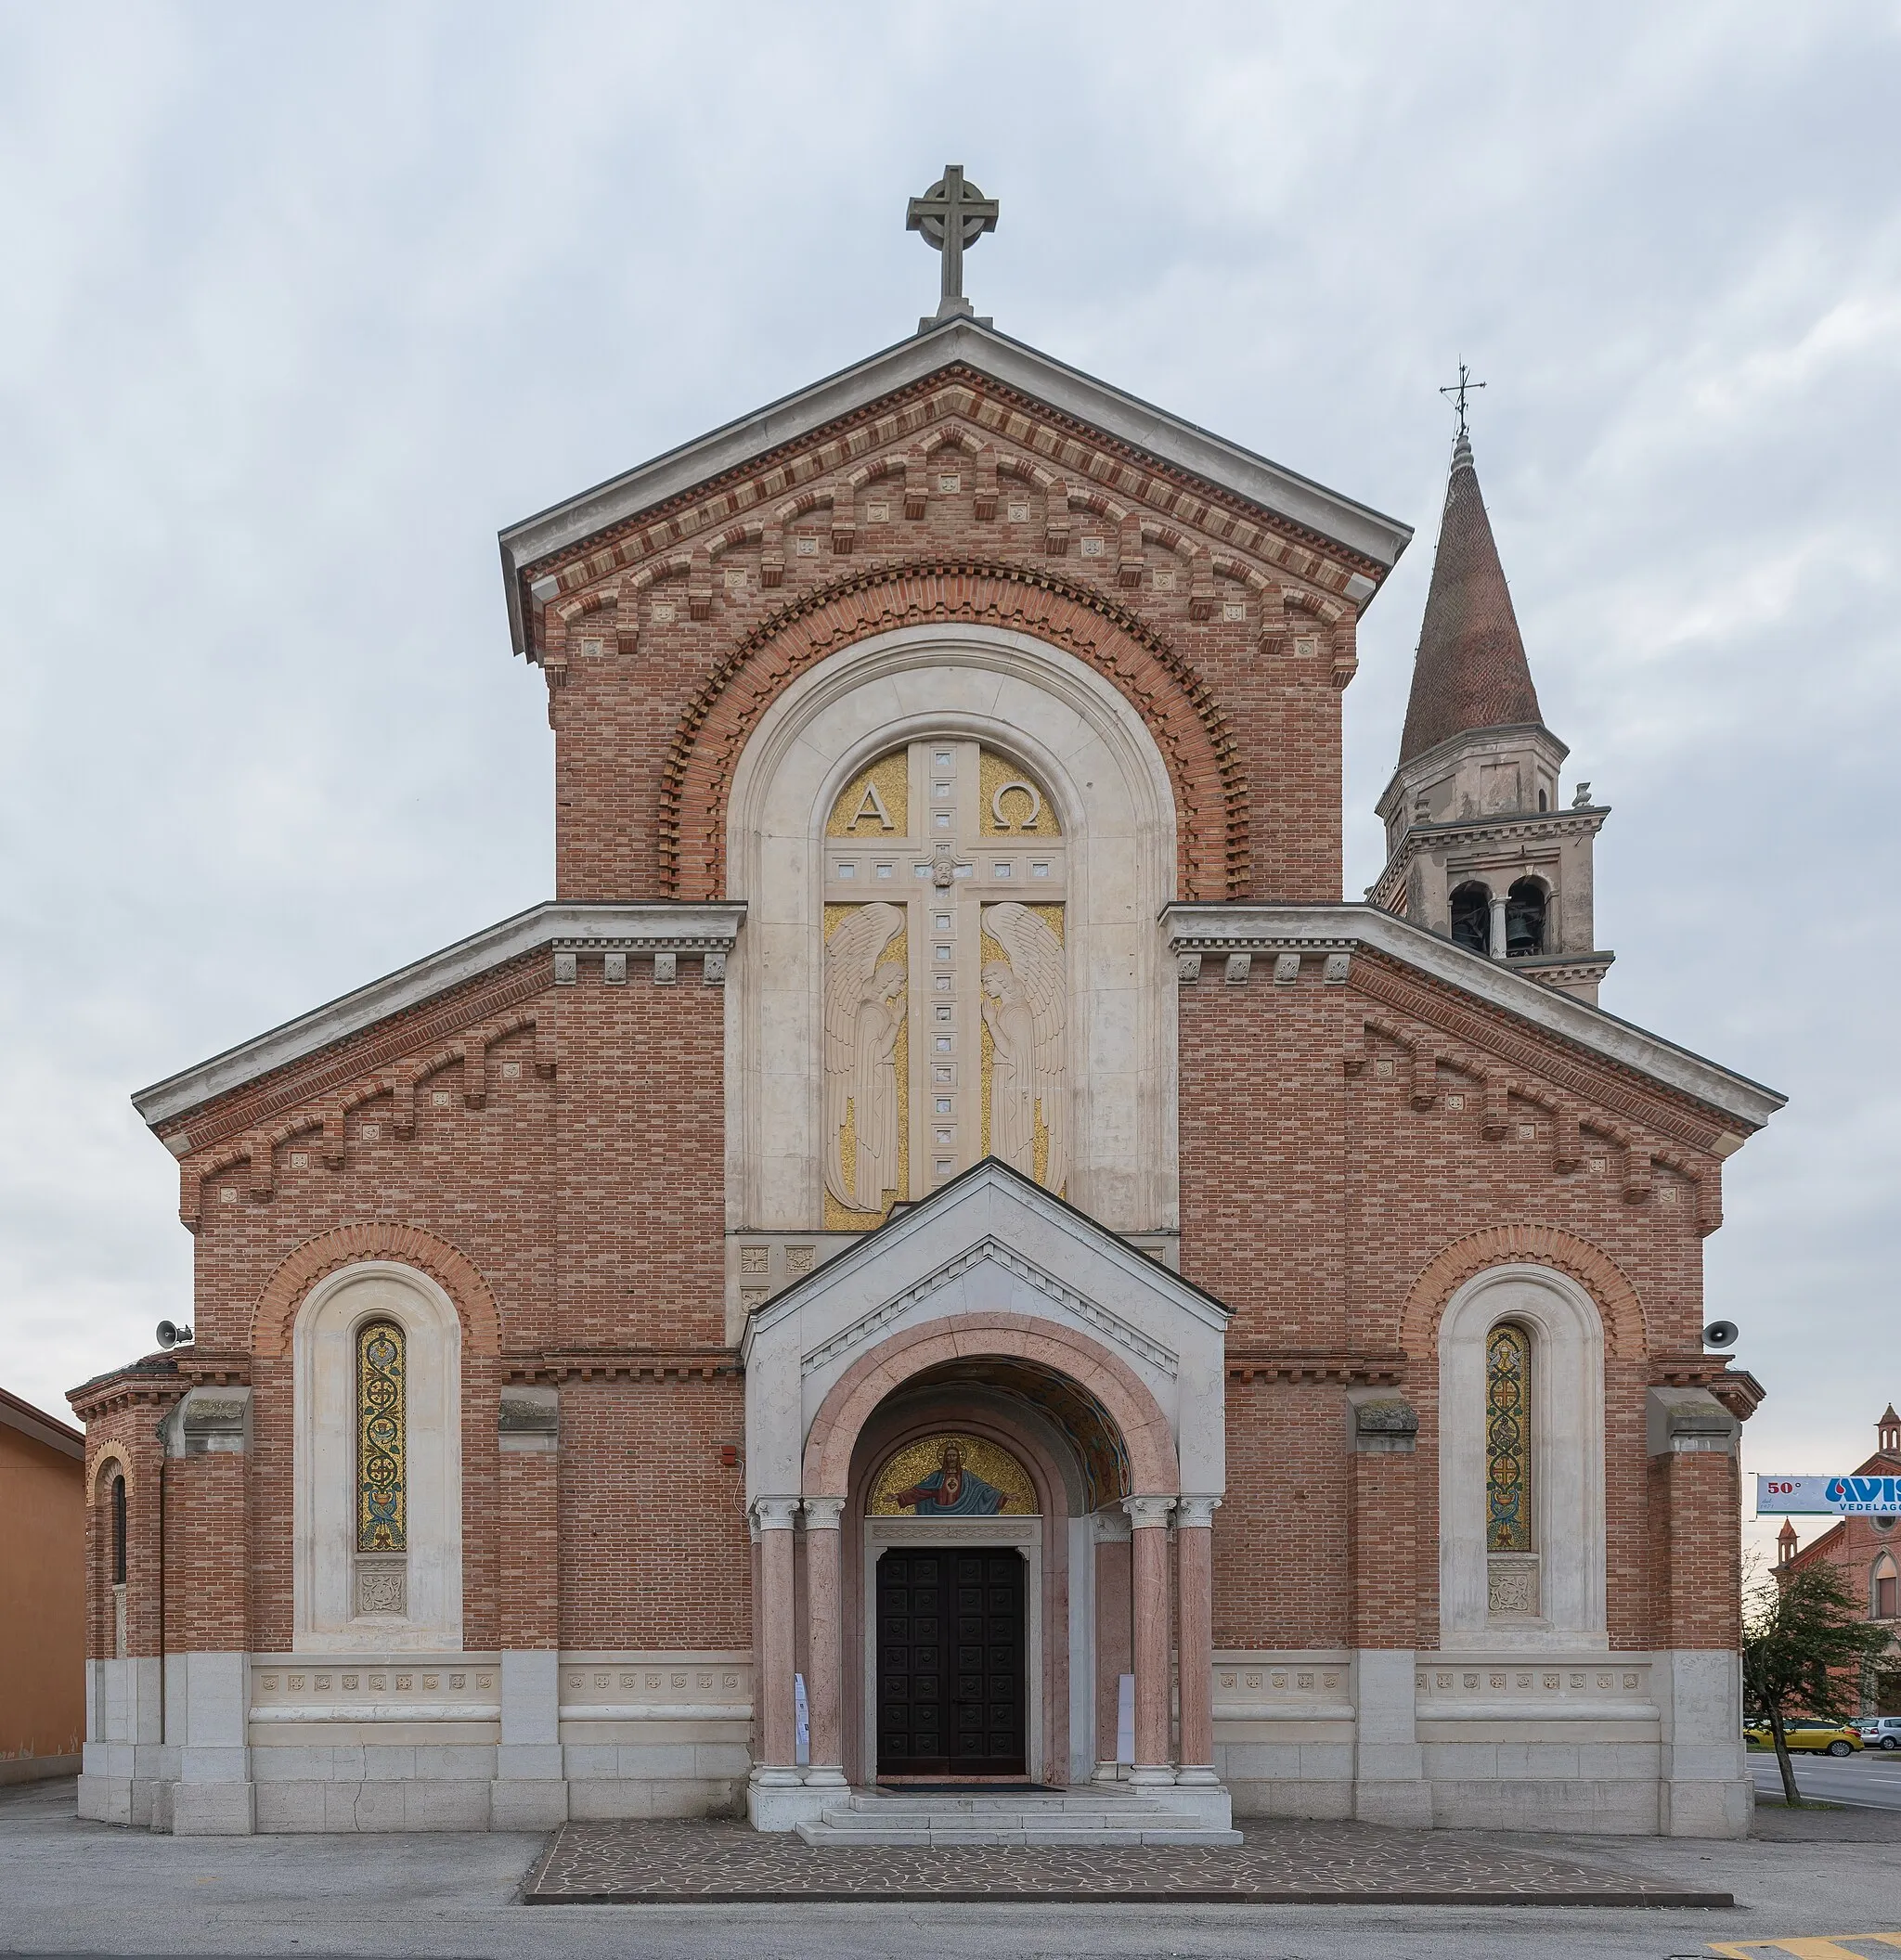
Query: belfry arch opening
{"x":1472,"y":917}
{"x":1525,"y":908}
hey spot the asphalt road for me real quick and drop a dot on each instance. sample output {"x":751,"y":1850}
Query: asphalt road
{"x":68,"y":1887}
{"x":1870,"y":1781}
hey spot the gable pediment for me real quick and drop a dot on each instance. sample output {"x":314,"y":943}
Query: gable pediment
{"x":991,"y":1243}
{"x":1545,"y":1031}
{"x":669,"y":519}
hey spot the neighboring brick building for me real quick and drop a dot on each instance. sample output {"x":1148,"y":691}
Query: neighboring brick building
{"x":42,"y":1593}
{"x":1867,"y":1552}
{"x":947,"y":1116}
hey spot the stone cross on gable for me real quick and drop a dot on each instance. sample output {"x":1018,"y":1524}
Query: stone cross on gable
{"x":952,"y":214}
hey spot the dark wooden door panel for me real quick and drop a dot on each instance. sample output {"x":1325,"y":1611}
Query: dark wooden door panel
{"x":950,"y":1663}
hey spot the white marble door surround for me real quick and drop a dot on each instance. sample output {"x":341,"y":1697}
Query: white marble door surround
{"x":1088,"y":747}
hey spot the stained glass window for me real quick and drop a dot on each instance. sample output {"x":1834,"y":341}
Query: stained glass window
{"x":1508,"y":1441}
{"x":118,"y":1531}
{"x":381,"y":1483}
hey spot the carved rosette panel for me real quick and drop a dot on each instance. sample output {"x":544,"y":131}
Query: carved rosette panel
{"x":946,"y":983}
{"x":381,"y":1588}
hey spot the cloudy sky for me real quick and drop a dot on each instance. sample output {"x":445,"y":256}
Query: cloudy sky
{"x":301,"y":305}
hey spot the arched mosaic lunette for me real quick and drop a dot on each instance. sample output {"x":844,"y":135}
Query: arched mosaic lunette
{"x":1189,"y":729}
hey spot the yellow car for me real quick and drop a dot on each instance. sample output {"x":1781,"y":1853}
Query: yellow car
{"x":1814,"y":1738}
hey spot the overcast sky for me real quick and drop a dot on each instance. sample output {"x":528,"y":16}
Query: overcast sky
{"x":301,"y":305}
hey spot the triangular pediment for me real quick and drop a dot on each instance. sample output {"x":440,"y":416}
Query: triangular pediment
{"x":991,"y":1244}
{"x":1368,"y":541}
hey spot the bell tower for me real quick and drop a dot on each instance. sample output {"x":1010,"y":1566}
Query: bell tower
{"x":1477,"y":847}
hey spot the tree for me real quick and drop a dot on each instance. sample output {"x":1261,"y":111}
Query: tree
{"x":1805,"y":1645}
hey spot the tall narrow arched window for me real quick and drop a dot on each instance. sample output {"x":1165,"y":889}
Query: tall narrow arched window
{"x":1885,"y":1601}
{"x":377,"y":1504}
{"x":1521,"y":1540}
{"x":1510,"y":1549}
{"x":118,"y":1531}
{"x":118,"y":1505}
{"x":381,"y":1487}
{"x":1524,"y":919}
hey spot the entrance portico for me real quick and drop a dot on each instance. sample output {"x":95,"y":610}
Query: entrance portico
{"x":997,"y":1312}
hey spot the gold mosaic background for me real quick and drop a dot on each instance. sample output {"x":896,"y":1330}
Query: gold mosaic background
{"x":892,"y":776}
{"x":988,"y":1459}
{"x":993,"y":772}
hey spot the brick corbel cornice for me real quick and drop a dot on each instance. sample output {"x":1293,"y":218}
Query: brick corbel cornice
{"x":1267,"y":1365}
{"x":1181,"y":714}
{"x":625,"y":1364}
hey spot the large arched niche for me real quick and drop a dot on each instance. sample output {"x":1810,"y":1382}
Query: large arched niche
{"x":1089,"y":747}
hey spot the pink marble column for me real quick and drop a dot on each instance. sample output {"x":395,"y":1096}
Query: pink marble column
{"x":824,"y":1640}
{"x":774,"y":1608}
{"x":1195,"y":1635}
{"x":1149,"y":1517}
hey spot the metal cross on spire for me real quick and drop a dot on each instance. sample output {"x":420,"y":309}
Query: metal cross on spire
{"x":1456,"y":393}
{"x":952,"y":214}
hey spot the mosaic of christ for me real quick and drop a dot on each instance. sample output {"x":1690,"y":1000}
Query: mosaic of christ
{"x":953,"y":1476}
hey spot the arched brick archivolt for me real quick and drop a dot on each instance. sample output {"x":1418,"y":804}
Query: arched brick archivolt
{"x":110,"y":1459}
{"x":453,"y":1270}
{"x":1595,"y":1270}
{"x":858,"y":1393}
{"x":1190,"y":730}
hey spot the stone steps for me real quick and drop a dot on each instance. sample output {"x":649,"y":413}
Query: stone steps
{"x":1084,"y":1817}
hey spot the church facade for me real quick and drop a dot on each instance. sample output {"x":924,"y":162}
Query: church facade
{"x":945,"y":1251}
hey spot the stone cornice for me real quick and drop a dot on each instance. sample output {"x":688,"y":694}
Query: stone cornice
{"x":1526,"y":827}
{"x":1336,"y":929}
{"x":654,"y":927}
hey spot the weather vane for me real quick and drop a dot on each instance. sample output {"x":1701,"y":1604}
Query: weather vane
{"x":1457,"y":393}
{"x":952,"y":214}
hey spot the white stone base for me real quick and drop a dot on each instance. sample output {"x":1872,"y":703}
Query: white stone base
{"x":525,"y":1803}
{"x":394,"y":1804}
{"x":598,"y":1799}
{"x":778,"y":1800}
{"x":212,"y":1809}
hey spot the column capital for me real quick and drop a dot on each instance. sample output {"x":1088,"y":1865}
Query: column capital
{"x":1145,"y":1513}
{"x":822,"y":1513}
{"x":1196,"y":1513}
{"x":774,"y":1514}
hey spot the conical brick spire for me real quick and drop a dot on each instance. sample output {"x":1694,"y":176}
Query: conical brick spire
{"x":1470,"y":672}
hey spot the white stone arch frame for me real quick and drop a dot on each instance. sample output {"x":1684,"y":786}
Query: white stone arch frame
{"x":1567,"y":1461}
{"x":324,"y":1360}
{"x":1101,"y":768}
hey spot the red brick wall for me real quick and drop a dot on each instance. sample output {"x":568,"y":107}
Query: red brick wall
{"x":1695,"y":1500}
{"x":1314,"y":1198}
{"x":207,"y":1562}
{"x":652,"y":1525}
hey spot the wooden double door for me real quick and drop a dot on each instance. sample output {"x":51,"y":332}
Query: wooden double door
{"x":951,"y":1641}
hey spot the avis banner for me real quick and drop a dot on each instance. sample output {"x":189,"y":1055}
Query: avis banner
{"x":1847,"y":1496}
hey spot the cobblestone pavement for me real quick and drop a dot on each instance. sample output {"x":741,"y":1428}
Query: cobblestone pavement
{"x":1279,"y":1865}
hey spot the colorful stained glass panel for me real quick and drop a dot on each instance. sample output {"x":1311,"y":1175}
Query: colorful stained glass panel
{"x":1508,"y":1441}
{"x":381,"y":1480}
